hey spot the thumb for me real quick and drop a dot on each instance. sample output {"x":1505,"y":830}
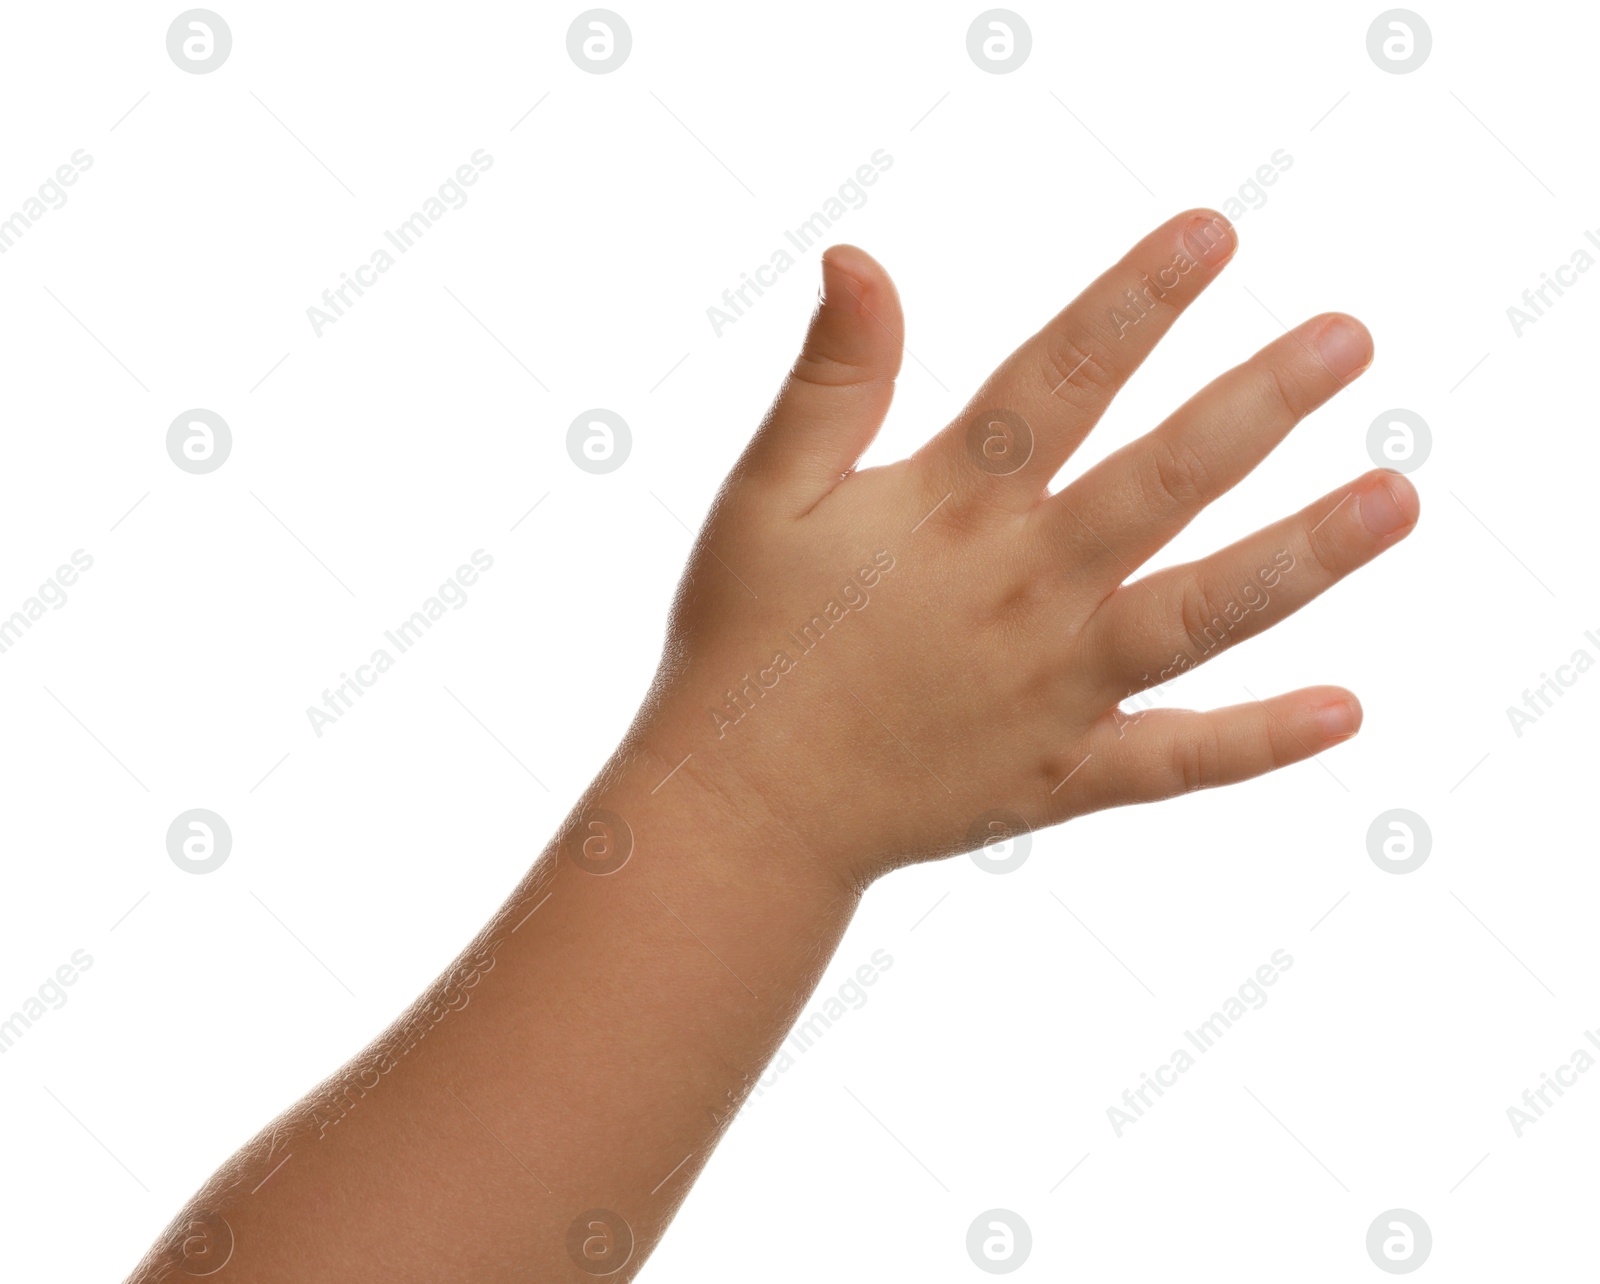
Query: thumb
{"x":835,"y":398}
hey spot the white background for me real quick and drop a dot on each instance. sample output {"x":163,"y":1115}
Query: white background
{"x":370,"y":461}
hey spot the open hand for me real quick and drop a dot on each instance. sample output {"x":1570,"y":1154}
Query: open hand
{"x":877,"y":661}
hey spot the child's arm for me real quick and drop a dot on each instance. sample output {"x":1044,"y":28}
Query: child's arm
{"x":860,"y":668}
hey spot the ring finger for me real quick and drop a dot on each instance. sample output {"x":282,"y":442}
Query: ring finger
{"x":1179,"y":617}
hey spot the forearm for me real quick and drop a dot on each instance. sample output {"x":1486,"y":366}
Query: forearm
{"x":584,"y":1053}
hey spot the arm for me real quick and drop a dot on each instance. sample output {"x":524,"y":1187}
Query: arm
{"x":863,"y":669}
{"x":583,"y":1053}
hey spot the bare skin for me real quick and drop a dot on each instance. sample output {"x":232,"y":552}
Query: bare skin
{"x":861,"y":670}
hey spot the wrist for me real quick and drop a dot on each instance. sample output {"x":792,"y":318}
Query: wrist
{"x":699,"y":815}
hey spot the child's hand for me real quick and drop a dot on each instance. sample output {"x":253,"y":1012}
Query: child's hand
{"x":875,"y":660}
{"x":861,"y":669}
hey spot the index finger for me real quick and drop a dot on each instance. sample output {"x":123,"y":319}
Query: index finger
{"x":1039,"y":405}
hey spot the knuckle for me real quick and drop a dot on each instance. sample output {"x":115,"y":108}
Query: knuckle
{"x":1324,"y":556}
{"x":834,"y":355}
{"x":1203,"y":624}
{"x":1289,"y":402}
{"x":823,"y":369}
{"x":1197,"y":761}
{"x":1015,"y":612}
{"x":1325,"y":549}
{"x":1075,"y":366}
{"x":1178,"y":475}
{"x":1066,"y":777}
{"x":1282,"y":748}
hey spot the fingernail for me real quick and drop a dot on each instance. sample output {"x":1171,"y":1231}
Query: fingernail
{"x":1344,"y":348}
{"x":1380,"y":509}
{"x":1338,"y":721}
{"x":1210,"y":239}
{"x":840,"y":289}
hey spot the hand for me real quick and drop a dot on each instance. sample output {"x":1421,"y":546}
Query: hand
{"x":873,"y":660}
